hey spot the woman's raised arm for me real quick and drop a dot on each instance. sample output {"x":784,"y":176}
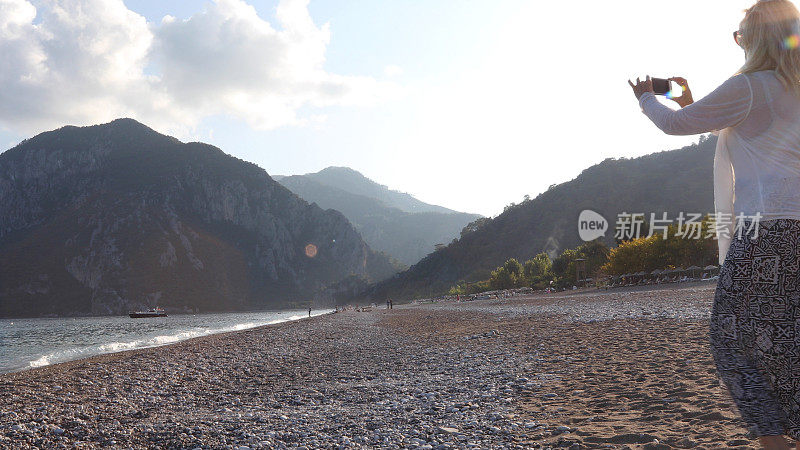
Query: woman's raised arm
{"x":726,"y":106}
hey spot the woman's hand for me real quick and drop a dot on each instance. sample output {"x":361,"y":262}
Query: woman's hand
{"x":641,"y":86}
{"x":686,"y":96}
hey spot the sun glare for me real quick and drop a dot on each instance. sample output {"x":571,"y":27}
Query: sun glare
{"x":791,"y":42}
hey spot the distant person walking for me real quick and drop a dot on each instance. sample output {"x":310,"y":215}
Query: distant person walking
{"x":755,"y":318}
{"x":309,"y":312}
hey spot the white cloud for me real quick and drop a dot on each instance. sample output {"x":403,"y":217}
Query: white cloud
{"x":80,"y":61}
{"x":89,"y":61}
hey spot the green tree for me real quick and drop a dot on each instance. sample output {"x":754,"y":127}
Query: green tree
{"x":513,"y":266}
{"x":564,"y":266}
{"x":507,"y":276}
{"x":538,"y":269}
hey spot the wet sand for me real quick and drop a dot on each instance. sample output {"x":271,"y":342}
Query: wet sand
{"x":607,"y":369}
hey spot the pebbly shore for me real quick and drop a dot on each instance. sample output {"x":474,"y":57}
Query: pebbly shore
{"x":613,"y":369}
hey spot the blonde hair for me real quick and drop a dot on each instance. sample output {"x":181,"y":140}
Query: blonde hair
{"x":771,"y":38}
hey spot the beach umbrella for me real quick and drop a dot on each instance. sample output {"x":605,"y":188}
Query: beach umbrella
{"x":710,"y":267}
{"x":693,"y":269}
{"x":672,"y":273}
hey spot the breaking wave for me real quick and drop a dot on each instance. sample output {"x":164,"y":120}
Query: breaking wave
{"x":178,"y":332}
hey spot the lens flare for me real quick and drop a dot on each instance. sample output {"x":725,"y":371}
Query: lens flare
{"x":311,"y":250}
{"x":674,"y":93}
{"x":791,"y":42}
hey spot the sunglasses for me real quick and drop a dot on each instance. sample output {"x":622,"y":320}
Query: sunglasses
{"x":736,"y":36}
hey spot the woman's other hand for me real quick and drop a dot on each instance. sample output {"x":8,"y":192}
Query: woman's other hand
{"x":641,"y":86}
{"x":686,"y":96}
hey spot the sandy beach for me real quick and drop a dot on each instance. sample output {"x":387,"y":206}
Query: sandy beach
{"x":608,"y":369}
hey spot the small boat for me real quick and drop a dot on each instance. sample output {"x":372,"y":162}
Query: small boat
{"x":154,"y":312}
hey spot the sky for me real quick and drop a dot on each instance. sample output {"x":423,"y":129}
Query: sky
{"x":462,"y":103}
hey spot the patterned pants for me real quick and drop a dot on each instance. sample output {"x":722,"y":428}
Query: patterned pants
{"x":755,"y":326}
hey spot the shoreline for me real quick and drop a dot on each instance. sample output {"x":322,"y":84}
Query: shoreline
{"x":104,"y":357}
{"x":174,"y":314}
{"x":533,"y":372}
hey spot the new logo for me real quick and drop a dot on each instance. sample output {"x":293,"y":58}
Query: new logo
{"x":591,"y":225}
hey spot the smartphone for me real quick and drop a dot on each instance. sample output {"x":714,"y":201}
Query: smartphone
{"x":661,"y":86}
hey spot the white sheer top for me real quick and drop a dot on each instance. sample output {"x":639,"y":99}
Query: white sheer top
{"x":757,"y":157}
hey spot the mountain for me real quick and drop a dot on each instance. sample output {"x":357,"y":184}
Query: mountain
{"x":352,"y":181}
{"x":114,"y":217}
{"x":669,"y":181}
{"x":389,"y":221}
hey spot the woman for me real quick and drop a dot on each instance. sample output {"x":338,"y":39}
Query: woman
{"x":755,"y":319}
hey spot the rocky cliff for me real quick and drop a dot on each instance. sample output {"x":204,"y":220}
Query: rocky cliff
{"x":113,"y":217}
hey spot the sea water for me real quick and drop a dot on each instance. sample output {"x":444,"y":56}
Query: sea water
{"x":30,"y":343}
